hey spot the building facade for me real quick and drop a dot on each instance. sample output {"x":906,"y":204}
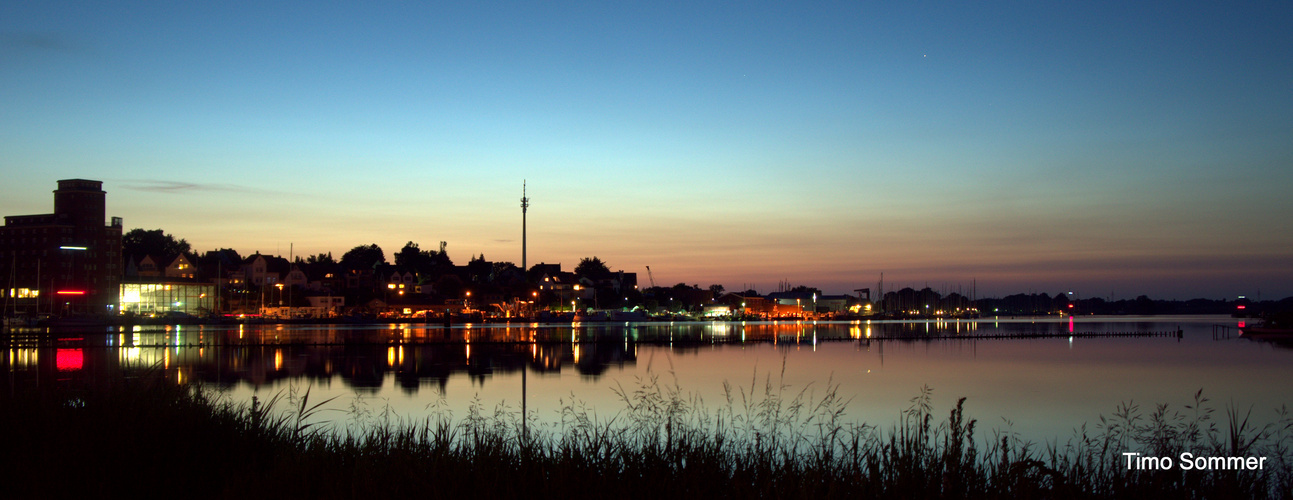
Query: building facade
{"x":168,"y":298}
{"x":67,"y":262}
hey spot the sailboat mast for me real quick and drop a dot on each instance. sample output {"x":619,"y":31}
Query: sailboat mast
{"x":8,"y":297}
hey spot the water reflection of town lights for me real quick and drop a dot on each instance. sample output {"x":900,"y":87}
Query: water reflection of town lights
{"x":25,"y":357}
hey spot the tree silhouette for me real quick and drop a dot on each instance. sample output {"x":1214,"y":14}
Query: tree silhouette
{"x":214,"y":263}
{"x":140,"y":242}
{"x":429,"y":264}
{"x":363,"y":257}
{"x":449,"y":286}
{"x":480,"y":270}
{"x":592,"y":268}
{"x":323,"y":258}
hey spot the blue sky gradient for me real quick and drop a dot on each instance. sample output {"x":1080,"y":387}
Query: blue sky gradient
{"x":1110,"y":148}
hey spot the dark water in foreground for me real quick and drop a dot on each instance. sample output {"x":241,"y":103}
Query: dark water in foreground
{"x":1039,"y":387}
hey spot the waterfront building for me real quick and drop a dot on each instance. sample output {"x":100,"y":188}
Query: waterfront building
{"x":264,"y":270}
{"x":564,"y":288}
{"x":167,"y":298}
{"x":328,"y":303}
{"x":181,"y":268}
{"x":66,"y":262}
{"x":145,"y":268}
{"x":812,"y":302}
{"x":149,"y":289}
{"x":748,"y":304}
{"x":296,"y":277}
{"x":619,"y":281}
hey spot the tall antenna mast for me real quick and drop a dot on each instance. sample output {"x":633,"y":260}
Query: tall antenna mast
{"x":525,"y":205}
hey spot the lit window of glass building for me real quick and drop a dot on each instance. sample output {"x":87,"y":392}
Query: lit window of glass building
{"x":147,"y":299}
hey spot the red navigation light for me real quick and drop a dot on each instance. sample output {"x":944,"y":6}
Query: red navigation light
{"x":1070,"y":306}
{"x":71,"y":292}
{"x":1241,"y":306}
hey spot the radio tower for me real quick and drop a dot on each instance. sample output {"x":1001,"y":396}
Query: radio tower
{"x":525,"y":204}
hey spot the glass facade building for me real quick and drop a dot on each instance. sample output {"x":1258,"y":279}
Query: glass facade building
{"x":148,"y":299}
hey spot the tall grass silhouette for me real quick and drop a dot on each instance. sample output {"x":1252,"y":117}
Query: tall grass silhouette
{"x":141,"y":434}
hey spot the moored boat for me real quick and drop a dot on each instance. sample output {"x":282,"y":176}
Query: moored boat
{"x":1275,"y":327}
{"x":1265,"y":331}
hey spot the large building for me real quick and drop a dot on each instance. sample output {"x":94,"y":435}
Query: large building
{"x":64,"y":263}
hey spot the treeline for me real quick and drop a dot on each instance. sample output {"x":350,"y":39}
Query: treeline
{"x":506,"y":280}
{"x":1041,"y":303}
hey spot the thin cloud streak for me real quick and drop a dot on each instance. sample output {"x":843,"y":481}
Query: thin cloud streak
{"x":184,"y":187}
{"x":35,"y":42}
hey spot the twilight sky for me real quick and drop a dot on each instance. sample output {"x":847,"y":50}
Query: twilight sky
{"x":1108,"y":148}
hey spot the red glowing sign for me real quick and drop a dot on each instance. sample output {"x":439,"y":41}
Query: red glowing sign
{"x":1241,"y":306}
{"x":71,"y":292}
{"x":67,"y":360}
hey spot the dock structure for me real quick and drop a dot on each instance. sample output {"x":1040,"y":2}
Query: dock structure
{"x":1223,"y":332}
{"x":1031,"y":335}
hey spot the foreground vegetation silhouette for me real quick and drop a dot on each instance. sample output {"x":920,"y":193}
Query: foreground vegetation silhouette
{"x":145,"y":436}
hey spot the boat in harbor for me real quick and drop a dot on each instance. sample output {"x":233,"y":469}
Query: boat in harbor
{"x":1276,"y":327}
{"x":1266,"y":332}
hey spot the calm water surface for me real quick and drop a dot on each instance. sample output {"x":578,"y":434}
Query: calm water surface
{"x":1039,"y":387}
